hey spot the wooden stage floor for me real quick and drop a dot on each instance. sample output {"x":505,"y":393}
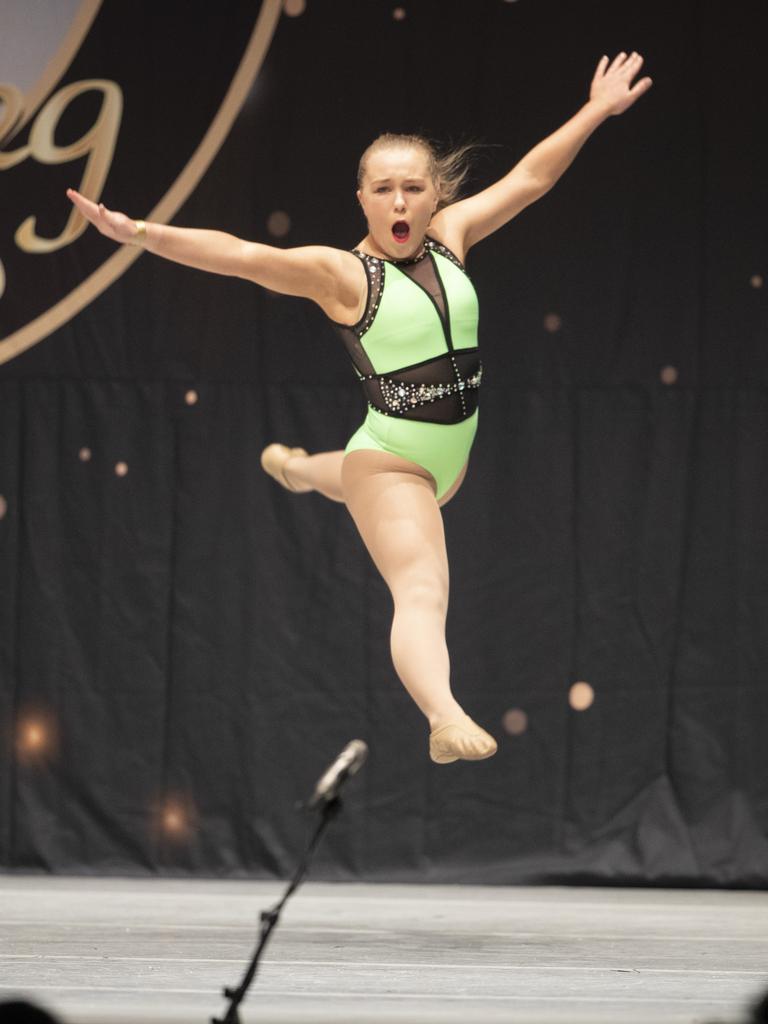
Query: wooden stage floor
{"x":118,"y":951}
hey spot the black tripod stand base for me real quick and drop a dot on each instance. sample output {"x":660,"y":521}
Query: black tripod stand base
{"x":269,"y":918}
{"x":232,"y":1016}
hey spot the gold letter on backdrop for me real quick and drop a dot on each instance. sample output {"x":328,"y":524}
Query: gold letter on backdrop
{"x":98,"y":142}
{"x":99,"y":145}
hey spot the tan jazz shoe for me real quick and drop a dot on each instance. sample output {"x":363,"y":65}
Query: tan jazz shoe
{"x":465,"y":740}
{"x":273,"y":460}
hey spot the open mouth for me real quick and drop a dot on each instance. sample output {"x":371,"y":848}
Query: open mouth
{"x":401,"y":231}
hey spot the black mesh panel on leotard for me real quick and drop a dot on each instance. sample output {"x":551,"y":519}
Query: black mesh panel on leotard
{"x":423,"y":273}
{"x":441,"y":390}
{"x":351,"y":334}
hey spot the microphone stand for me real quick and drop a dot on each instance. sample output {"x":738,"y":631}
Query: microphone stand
{"x":269,"y":918}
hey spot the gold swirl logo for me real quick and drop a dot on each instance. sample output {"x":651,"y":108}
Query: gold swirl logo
{"x":45,"y":108}
{"x":97,"y":144}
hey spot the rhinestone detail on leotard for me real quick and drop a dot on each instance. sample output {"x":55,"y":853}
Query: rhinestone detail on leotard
{"x":401,"y":396}
{"x":430,"y":243}
{"x":376,"y":285}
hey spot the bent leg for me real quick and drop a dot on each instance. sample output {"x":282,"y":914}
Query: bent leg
{"x":321,"y":472}
{"x":392,"y":502}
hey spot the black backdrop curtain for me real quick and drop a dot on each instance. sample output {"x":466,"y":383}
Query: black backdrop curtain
{"x":184,"y":646}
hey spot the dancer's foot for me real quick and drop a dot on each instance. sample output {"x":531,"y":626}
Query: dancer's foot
{"x":461,"y":739}
{"x":273,"y":460}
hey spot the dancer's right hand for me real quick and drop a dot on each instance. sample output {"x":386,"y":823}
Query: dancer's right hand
{"x":114,"y":225}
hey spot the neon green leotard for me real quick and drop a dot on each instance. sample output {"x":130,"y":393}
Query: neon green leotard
{"x":415,"y":352}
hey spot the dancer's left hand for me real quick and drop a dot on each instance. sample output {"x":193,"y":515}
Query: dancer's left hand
{"x":611,"y":84}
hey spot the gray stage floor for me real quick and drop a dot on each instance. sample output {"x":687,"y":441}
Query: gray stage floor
{"x":115,"y":951}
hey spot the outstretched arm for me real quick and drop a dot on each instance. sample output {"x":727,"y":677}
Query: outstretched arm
{"x":313,"y":271}
{"x":611,"y":92}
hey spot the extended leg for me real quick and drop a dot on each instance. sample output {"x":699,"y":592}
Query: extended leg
{"x":397,"y":515}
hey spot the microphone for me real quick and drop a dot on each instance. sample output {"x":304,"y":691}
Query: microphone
{"x":349,"y":761}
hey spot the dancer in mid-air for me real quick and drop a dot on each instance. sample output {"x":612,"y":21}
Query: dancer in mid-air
{"x":407,"y":312}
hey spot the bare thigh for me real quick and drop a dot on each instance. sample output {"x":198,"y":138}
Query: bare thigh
{"x":392,"y":502}
{"x":386,"y":461}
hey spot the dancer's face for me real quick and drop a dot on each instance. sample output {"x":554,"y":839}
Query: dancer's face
{"x":398,"y":197}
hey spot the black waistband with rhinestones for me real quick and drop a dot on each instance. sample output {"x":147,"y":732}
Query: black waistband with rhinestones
{"x":418,"y":392}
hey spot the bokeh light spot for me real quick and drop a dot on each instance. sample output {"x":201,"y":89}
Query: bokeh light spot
{"x":293,"y":8}
{"x":515,"y":721}
{"x":34,"y":736}
{"x":581,"y":696}
{"x":191,"y":397}
{"x":278,"y":223}
{"x":3,"y":507}
{"x":174,"y":821}
{"x":176,"y":817}
{"x":121,"y":468}
{"x":669,"y":375}
{"x":399,"y":13}
{"x":756,"y":280}
{"x":84,"y":454}
{"x":552,"y":323}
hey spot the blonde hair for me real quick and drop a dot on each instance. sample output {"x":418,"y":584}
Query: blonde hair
{"x":448,"y":168}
